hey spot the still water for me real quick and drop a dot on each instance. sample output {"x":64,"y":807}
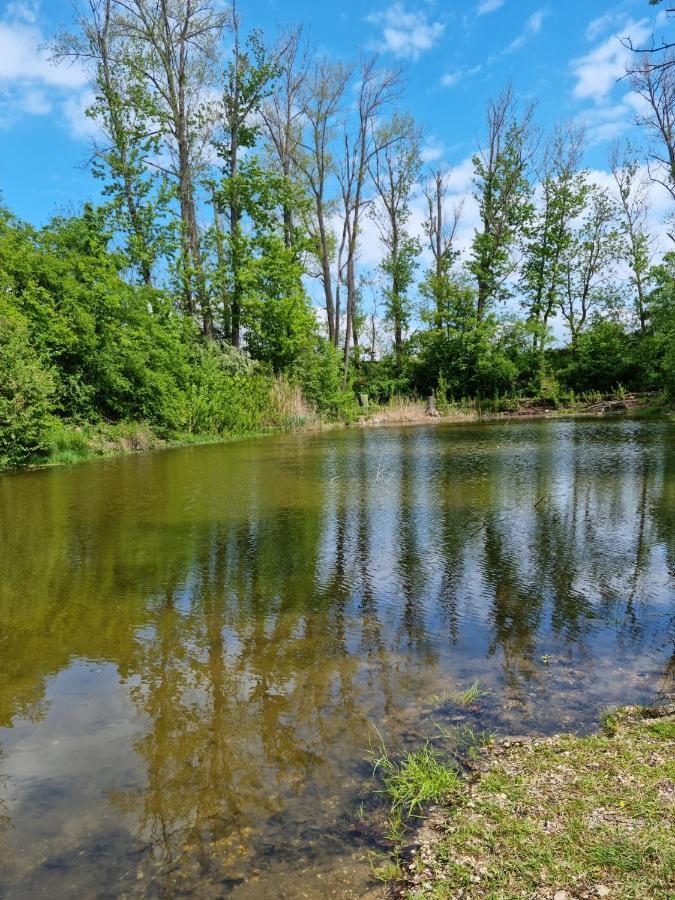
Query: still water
{"x":197,"y":645}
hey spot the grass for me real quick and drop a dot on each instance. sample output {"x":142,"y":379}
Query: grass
{"x":589,"y":815}
{"x":471,"y":695}
{"x":415,"y":779}
{"x":410,"y":784}
{"x":465,"y":699}
{"x":408,"y":410}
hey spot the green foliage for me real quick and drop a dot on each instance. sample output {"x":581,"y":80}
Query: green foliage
{"x":472,"y":360}
{"x":660,"y":359}
{"x":385,"y":378}
{"x":81,"y":343}
{"x":318,"y":371}
{"x":472,"y":694}
{"x":602,"y":358}
{"x":25,"y":391}
{"x":416,"y":779}
{"x":219,"y":401}
{"x":503,"y":195}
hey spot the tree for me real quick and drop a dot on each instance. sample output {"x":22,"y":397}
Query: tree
{"x":172,"y":46}
{"x":503,"y":194}
{"x":440,"y":227}
{"x":656,"y":87}
{"x":26,"y":387}
{"x":549,"y":232}
{"x":377,"y":88}
{"x":394,"y":170}
{"x":633,"y":209}
{"x":249,"y":77}
{"x":588,"y":265}
{"x":322,"y":99}
{"x":124,"y":111}
{"x":282,"y":111}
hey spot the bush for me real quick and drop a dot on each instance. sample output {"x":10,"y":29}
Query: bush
{"x":600,"y":359}
{"x":26,"y":387}
{"x":319,"y":374}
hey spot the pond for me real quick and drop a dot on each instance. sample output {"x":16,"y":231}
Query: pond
{"x":198,"y":646}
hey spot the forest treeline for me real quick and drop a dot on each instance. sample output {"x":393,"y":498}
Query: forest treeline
{"x":239,"y":176}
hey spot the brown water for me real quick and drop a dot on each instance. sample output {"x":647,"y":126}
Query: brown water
{"x":196,"y":645}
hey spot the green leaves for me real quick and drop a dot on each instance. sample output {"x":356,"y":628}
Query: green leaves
{"x":26,"y":387}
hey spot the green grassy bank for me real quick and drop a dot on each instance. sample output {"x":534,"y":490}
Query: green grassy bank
{"x":562,"y":817}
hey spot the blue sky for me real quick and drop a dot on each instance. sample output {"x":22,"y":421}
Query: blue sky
{"x":456,"y":54}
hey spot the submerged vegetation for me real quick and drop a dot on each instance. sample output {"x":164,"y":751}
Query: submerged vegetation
{"x":567,"y":816}
{"x":236,"y":171}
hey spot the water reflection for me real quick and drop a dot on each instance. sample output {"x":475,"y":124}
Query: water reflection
{"x":196,"y":645}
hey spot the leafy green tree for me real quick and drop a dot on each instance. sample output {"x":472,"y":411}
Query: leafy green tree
{"x":249,"y":76}
{"x":602,"y":358}
{"x":661,"y":358}
{"x":503,"y":194}
{"x":589,"y":263}
{"x":125,"y":112}
{"x":550,"y":231}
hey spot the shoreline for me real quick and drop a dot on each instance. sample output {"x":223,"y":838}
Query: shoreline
{"x":85,"y":443}
{"x":567,"y":817}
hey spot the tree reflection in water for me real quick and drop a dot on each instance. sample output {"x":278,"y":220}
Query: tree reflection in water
{"x":265,"y":604}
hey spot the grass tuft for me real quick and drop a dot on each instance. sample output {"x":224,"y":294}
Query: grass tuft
{"x":415,"y":779}
{"x":471,"y":695}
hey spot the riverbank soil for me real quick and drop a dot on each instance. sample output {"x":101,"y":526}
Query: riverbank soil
{"x":558,"y":818}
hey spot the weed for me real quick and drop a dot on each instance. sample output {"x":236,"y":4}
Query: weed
{"x":416,"y":779}
{"x":609,"y":723}
{"x":471,"y":695}
{"x":665,"y":730}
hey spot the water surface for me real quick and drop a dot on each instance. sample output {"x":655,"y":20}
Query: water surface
{"x":197,"y":645}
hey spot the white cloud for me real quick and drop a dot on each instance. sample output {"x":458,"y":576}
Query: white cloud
{"x":607,"y":22}
{"x":530,"y":29}
{"x":597,"y":72}
{"x":432,"y":151}
{"x":24,"y":59}
{"x":451,"y":79}
{"x":30,"y":83}
{"x":488,"y":6}
{"x":35,"y":103}
{"x":406,"y":33}
{"x":81,"y":126}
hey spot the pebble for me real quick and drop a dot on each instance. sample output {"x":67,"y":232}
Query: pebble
{"x":602,"y":890}
{"x":561,"y":895}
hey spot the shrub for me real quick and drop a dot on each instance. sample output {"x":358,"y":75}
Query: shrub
{"x":25,"y":390}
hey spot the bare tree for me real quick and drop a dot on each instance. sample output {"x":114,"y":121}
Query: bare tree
{"x":322,"y":97}
{"x":283,"y":111}
{"x":440,"y":227}
{"x":377,"y":88}
{"x":659,"y":54}
{"x":633,"y":206}
{"x":656,"y":87}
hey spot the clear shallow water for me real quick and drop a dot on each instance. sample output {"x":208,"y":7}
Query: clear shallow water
{"x":196,"y":645}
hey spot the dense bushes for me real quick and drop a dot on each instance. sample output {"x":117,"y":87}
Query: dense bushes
{"x":26,"y":387}
{"x":80,"y":343}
